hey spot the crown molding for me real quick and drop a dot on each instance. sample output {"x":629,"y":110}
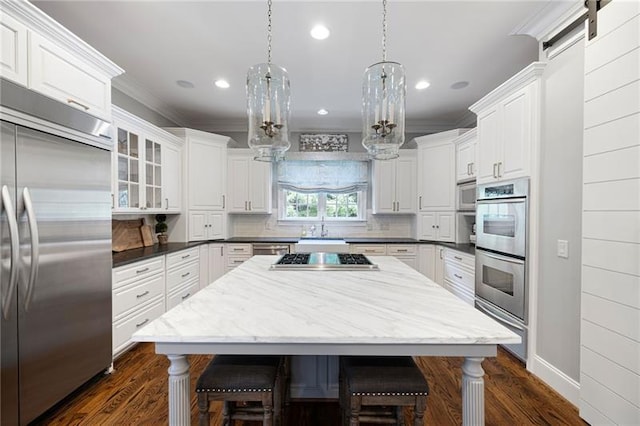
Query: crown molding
{"x":440,"y":137}
{"x":550,"y":19}
{"x":469,"y":119}
{"x":148,"y":128}
{"x":528,"y":74}
{"x":41,"y":23}
{"x":133,"y":89}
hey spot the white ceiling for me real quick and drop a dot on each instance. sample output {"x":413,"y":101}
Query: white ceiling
{"x":160,"y":42}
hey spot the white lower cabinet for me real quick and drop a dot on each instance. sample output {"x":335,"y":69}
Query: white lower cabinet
{"x":237,"y":254}
{"x":427,"y":260}
{"x":439,"y":265}
{"x":314,"y":376}
{"x":138,"y":298}
{"x":144,"y":290}
{"x":217,"y":265}
{"x":459,"y":275}
{"x":407,"y":253}
{"x":369,"y":249}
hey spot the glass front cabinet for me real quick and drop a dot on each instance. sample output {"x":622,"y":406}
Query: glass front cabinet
{"x":147,"y":167}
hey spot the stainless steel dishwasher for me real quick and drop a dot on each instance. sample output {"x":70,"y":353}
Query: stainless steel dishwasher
{"x":270,"y":249}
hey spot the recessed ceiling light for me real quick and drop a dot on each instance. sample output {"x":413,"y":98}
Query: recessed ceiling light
{"x":320,"y":32}
{"x":323,"y":112}
{"x":459,"y":85}
{"x":185,"y":84}
{"x":223,"y":84}
{"x":422,"y":84}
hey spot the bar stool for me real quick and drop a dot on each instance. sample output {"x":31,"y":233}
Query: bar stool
{"x":375,"y":390}
{"x":251,"y":387}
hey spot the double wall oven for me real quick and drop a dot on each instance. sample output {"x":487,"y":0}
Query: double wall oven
{"x":501,"y":256}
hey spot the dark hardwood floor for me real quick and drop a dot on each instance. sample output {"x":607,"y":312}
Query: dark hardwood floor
{"x":136,"y":394}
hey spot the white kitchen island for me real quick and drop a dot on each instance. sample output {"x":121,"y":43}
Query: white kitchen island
{"x":393,"y":311}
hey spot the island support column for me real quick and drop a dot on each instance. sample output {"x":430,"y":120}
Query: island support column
{"x":472,"y":392}
{"x":179,"y":387}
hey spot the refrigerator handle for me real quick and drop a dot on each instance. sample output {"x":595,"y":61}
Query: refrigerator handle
{"x":35,"y":246}
{"x":15,"y":249}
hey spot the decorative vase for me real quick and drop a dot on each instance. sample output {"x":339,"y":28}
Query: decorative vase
{"x":163,"y":238}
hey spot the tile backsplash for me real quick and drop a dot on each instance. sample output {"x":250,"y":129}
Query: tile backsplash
{"x":388,"y":226}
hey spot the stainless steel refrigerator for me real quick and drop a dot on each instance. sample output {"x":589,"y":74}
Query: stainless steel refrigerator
{"x":55,"y":257}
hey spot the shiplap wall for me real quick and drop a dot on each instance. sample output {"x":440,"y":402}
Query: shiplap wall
{"x":610,"y":325}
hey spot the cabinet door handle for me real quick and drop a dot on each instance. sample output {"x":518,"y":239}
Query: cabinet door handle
{"x":245,"y":206}
{"x":472,"y":165}
{"x":221,"y":250}
{"x":250,"y":206}
{"x":499,"y":166}
{"x":440,"y":254}
{"x":138,"y":296}
{"x":73,"y":101}
{"x":420,"y":202}
{"x":185,"y":275}
{"x":457,"y":276}
{"x":223,"y":202}
{"x":433,"y":226}
{"x":468,"y":168}
{"x":142,"y":323}
{"x":494,"y":170}
{"x":166,"y":200}
{"x":186,"y":295}
{"x":139,"y":271}
{"x":113,"y":201}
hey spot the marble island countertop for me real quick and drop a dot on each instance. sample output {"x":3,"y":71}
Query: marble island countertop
{"x":394,"y":306}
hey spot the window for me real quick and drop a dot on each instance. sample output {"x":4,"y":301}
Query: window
{"x":314,"y":206}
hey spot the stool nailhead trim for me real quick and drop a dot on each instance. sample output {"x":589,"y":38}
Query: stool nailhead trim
{"x":389,"y":393}
{"x":234,"y":390}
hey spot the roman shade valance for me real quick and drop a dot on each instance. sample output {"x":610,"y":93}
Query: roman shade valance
{"x":323,"y":176}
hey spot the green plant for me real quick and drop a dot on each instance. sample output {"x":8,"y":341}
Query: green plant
{"x":161,"y":225}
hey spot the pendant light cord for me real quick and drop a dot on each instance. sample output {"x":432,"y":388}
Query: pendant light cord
{"x":384,"y":30}
{"x":269,"y":2}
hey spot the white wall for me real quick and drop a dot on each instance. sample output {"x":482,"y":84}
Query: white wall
{"x":610,"y":335}
{"x":558,"y":319}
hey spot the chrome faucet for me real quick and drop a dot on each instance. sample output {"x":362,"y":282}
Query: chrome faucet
{"x":323,"y":232}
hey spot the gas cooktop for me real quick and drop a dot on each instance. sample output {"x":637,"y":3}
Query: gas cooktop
{"x":324,"y":262}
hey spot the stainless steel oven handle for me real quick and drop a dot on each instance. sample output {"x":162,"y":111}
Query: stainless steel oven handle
{"x":495,"y":315}
{"x":502,"y":201}
{"x":35,"y":246}
{"x":15,"y":249}
{"x":503,"y":258}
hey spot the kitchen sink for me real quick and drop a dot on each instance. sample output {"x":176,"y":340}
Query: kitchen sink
{"x":322,"y":244}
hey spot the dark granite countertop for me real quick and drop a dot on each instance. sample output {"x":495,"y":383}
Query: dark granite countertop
{"x":134,"y":255}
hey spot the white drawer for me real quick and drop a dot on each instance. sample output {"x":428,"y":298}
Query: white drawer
{"x":459,"y":276}
{"x":245,"y":249}
{"x":183,"y":256}
{"x":373,"y":249}
{"x":123,"y":329}
{"x":180,"y":275}
{"x":182,"y":294}
{"x":126,"y":298}
{"x":236,"y":260}
{"x":462,"y":293}
{"x":463,"y":258}
{"x":138,"y":270}
{"x":401,"y":249}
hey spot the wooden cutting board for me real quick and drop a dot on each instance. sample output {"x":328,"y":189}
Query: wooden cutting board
{"x":126,"y":235}
{"x":147,"y":235}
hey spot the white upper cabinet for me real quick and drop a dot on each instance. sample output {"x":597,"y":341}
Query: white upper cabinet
{"x":436,"y":226}
{"x":466,"y":163}
{"x":249,"y":183}
{"x":437,"y":171}
{"x":146,"y":166}
{"x":394,"y":185}
{"x":13,"y":52}
{"x":509,"y":127}
{"x":58,"y":65}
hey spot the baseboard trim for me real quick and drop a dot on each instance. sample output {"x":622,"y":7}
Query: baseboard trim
{"x":560,"y":382}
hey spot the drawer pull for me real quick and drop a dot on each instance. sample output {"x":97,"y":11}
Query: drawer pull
{"x":185,"y":275}
{"x":142,"y":323}
{"x":238,"y":261}
{"x":401,"y":250}
{"x":457,"y":276}
{"x":72,"y":101}
{"x":186,"y":295}
{"x":139,"y":271}
{"x":238,"y":249}
{"x":138,"y":296}
{"x":369,"y":251}
{"x":185,"y":256}
{"x":457,"y":258}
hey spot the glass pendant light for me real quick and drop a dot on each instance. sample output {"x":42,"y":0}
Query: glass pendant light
{"x":383,"y":104}
{"x":268,"y":107}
